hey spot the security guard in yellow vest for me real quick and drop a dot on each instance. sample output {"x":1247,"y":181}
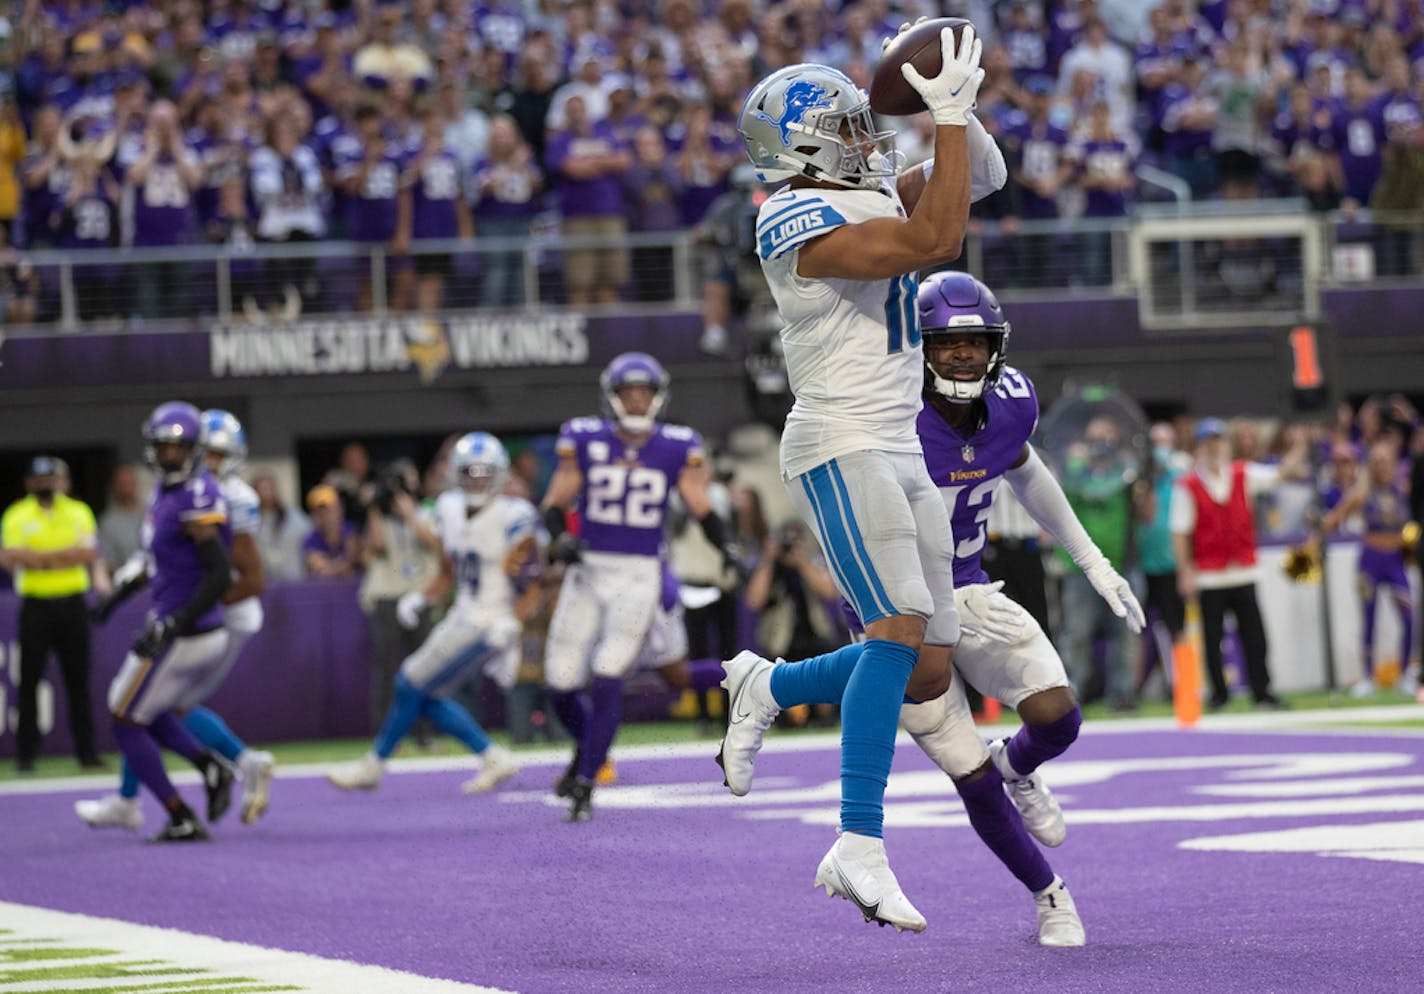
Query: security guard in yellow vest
{"x":48,"y":540}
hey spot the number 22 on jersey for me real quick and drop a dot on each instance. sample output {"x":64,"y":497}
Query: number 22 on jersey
{"x":618,"y":495}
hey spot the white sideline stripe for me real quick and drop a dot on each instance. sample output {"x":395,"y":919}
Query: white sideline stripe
{"x":215,"y":957}
{"x":1286,"y":722}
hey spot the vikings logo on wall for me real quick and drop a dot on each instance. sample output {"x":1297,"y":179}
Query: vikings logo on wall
{"x":345,"y":346}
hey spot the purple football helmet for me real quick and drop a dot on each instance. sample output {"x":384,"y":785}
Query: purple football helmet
{"x":176,"y":423}
{"x":952,"y":302}
{"x":634,"y":369}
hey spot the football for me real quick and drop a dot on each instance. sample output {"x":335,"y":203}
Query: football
{"x":890,"y":93}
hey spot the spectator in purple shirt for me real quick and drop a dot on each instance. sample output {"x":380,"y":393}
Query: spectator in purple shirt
{"x":1105,"y":159}
{"x":432,"y":207}
{"x":1188,"y":116}
{"x":44,"y":180}
{"x":161,"y":183}
{"x":89,"y":219}
{"x":1359,"y":134}
{"x":1037,"y":153}
{"x":587,"y":161}
{"x":1026,"y":41}
{"x":369,"y":174}
{"x":653,"y":188}
{"x":1296,"y":163}
{"x":333,"y":548}
{"x":506,"y":183}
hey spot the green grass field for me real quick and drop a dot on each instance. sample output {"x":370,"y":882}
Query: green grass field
{"x":664,"y":732}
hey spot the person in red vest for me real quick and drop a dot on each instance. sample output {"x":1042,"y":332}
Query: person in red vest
{"x":1214,"y":536}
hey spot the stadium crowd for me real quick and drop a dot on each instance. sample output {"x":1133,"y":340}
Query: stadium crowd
{"x":151,"y":123}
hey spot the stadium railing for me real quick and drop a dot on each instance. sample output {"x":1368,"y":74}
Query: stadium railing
{"x":1190,"y":265}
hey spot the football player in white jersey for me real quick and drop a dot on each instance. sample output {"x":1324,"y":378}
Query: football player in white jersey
{"x":840,"y":247}
{"x":487,"y":536}
{"x":224,"y":446}
{"x":622,"y":469}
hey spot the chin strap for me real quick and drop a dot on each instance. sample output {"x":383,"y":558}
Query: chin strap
{"x":957,"y":391}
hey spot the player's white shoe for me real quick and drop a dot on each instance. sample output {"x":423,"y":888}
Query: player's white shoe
{"x":361,"y":774}
{"x":496,"y":766}
{"x":257,"y":769}
{"x":1364,"y":687}
{"x":1058,"y":921}
{"x":750,"y":712}
{"x":1041,"y":814}
{"x":856,"y":868}
{"x":1408,"y":683}
{"x":113,"y":811}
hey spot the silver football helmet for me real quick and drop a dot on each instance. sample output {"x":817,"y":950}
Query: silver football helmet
{"x":480,"y":465}
{"x":809,"y":120}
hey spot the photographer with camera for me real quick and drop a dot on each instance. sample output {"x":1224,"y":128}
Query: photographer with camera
{"x":789,"y":589}
{"x":402,"y":553}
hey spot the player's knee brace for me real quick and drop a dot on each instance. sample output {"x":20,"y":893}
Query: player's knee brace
{"x":953,"y":744}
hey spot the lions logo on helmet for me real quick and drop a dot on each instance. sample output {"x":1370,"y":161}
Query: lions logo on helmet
{"x":634,"y":369}
{"x":223,"y":434}
{"x":952,"y":303}
{"x":812,"y":121}
{"x":170,"y":441}
{"x":480,"y":466}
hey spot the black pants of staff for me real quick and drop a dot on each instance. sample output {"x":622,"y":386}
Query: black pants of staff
{"x":57,"y":624}
{"x":1241,"y":602}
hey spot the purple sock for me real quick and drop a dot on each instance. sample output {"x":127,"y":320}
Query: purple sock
{"x":143,"y":758}
{"x":1034,"y":745}
{"x":996,"y":822}
{"x":1406,"y":640}
{"x":173,"y":735}
{"x":571,"y":711}
{"x":604,"y":717}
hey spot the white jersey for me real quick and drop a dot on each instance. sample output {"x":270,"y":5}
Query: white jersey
{"x":852,"y":347}
{"x":243,"y":510}
{"x":478,"y":546}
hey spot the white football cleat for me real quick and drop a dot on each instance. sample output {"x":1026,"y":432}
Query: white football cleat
{"x":1041,"y":814}
{"x":750,"y":712}
{"x":361,"y":774}
{"x":1364,"y":687}
{"x":856,"y":868}
{"x":1408,"y":683}
{"x":257,"y":769}
{"x":113,"y":811}
{"x":496,"y":766}
{"x":1058,"y":921}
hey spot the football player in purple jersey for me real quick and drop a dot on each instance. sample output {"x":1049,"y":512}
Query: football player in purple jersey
{"x":620,"y":469}
{"x":186,"y":536}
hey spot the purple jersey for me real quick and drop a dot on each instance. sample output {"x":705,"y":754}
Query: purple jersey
{"x":1039,"y":150}
{"x":626,"y":487}
{"x":371,"y":211}
{"x":434,"y":193}
{"x":1386,"y":509}
{"x":967,"y":470}
{"x":503,"y":191}
{"x":176,"y":569}
{"x":1113,"y":159}
{"x":42,"y":204}
{"x":162,"y":205}
{"x":90,"y":222}
{"x":1359,"y":134}
{"x":597,"y":196}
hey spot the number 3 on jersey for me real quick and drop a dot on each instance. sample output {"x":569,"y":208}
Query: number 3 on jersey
{"x":620,"y":496}
{"x":980,"y":500}
{"x":902,"y":317}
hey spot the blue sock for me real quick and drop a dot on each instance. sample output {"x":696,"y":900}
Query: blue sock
{"x":870,"y":715}
{"x":213,"y":732}
{"x":404,"y":709}
{"x":128,"y":781}
{"x":818,"y":680}
{"x":456,"y":722}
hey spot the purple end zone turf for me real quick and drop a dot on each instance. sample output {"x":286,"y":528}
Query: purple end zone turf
{"x":704,"y":898}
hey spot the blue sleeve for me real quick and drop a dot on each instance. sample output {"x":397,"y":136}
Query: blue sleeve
{"x":794,"y":224}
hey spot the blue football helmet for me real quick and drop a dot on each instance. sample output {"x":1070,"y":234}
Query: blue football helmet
{"x":634,"y":369}
{"x":223,"y":435}
{"x":480,"y":466}
{"x":951,"y":302}
{"x":176,"y":423}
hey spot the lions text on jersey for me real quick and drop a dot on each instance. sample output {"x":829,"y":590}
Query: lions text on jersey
{"x":852,"y":347}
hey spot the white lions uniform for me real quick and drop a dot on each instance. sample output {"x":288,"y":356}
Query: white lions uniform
{"x":480,"y":629}
{"x":242,"y":619}
{"x":849,"y":453}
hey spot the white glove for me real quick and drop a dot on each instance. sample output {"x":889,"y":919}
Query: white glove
{"x":409,"y":607}
{"x":994,"y":619}
{"x":1115,"y":590}
{"x":134,"y":567}
{"x":987,"y":170}
{"x":950,"y":95}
